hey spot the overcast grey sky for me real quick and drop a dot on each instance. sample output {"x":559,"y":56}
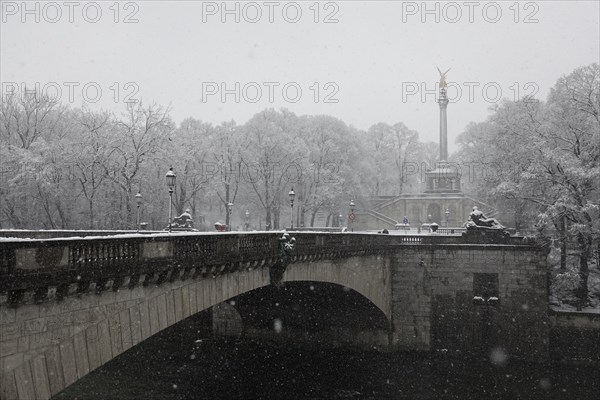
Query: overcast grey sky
{"x":363,"y":62}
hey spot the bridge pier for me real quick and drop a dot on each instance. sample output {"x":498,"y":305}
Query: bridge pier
{"x":438,"y":294}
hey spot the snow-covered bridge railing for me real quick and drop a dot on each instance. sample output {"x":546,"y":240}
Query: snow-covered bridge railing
{"x":62,"y":233}
{"x":59,"y":267}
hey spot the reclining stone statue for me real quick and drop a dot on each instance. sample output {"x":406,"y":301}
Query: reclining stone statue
{"x":478,"y":219}
{"x":484,"y":230}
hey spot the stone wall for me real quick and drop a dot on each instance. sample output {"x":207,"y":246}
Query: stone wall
{"x":435,"y":307}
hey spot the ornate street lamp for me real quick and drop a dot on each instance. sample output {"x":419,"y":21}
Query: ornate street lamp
{"x":292,"y":195}
{"x":171,"y":177}
{"x":447,"y":216}
{"x":351,"y":215}
{"x":247,"y":220}
{"x":138,"y":200}
{"x":229,"y":208}
{"x":429,"y":219}
{"x":340,"y":218}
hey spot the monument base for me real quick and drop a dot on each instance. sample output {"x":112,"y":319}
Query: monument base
{"x":485,"y":235}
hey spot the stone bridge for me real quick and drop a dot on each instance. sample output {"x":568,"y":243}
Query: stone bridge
{"x":70,"y":305}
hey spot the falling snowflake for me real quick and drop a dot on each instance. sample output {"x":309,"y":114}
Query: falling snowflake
{"x":545,"y":384}
{"x":498,"y":356}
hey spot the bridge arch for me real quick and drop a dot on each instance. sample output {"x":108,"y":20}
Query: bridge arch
{"x":82,"y":333}
{"x":370,"y":276}
{"x":305,"y":312}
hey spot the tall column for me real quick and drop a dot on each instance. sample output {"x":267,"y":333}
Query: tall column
{"x":443,"y":102}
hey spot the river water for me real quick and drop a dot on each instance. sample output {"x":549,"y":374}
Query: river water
{"x":185,"y":363}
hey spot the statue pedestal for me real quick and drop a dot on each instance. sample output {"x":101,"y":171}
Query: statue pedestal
{"x":485,"y":235}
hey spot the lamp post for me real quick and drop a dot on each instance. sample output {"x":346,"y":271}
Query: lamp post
{"x":171,"y":177}
{"x":447,"y":216}
{"x":429,"y":219}
{"x":292,"y":195}
{"x":351,"y":215}
{"x":138,"y":200}
{"x":340,"y":217}
{"x":247,"y":220}
{"x":229,"y":207}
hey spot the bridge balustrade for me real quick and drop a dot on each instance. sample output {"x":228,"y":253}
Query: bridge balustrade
{"x":34,"y":264}
{"x":195,"y":248}
{"x":450,"y":231}
{"x":211,"y":249}
{"x":411,"y":239}
{"x":102,"y":253}
{"x":349,"y":243}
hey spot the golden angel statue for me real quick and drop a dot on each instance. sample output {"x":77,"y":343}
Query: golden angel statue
{"x":443,"y":82}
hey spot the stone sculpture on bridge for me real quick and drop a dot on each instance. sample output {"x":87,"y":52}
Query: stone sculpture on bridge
{"x":481,"y":229}
{"x":286,"y":248}
{"x":185,"y":220}
{"x":478,"y":219}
